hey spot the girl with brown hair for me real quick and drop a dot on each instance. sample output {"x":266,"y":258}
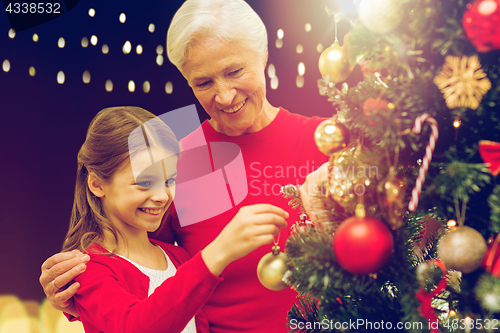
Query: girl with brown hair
{"x":125,"y":183}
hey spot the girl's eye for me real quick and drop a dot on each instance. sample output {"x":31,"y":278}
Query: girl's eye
{"x":143,"y":184}
{"x":170,"y":182}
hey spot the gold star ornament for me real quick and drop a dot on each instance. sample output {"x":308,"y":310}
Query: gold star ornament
{"x":462,"y":82}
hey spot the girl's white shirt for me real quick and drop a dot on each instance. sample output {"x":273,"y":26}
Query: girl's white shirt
{"x":156,"y":278}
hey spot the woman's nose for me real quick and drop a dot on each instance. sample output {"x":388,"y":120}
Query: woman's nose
{"x":225,"y":94}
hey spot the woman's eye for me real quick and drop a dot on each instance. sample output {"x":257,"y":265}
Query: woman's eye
{"x":236,"y":71}
{"x":143,"y":184}
{"x":203,"y":84}
{"x":170,"y":182}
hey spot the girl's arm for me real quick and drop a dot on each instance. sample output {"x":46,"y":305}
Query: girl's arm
{"x":107,"y":302}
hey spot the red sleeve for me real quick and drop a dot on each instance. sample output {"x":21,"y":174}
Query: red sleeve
{"x":105,"y":302}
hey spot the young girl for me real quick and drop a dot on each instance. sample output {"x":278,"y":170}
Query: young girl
{"x":125,"y":184}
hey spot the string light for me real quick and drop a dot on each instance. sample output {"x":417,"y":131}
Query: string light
{"x":93,"y":40}
{"x":138,"y":49}
{"x":131,"y":86}
{"x":105,"y":49}
{"x":91,"y":12}
{"x":151,"y":28}
{"x":122,"y":18}
{"x":146,"y":86}
{"x":6,"y":65}
{"x":279,"y":43}
{"x":61,"y":42}
{"x":159,"y":49}
{"x":86,"y":77}
{"x":300,"y":49}
{"x":308,"y":27}
{"x":109,"y":86}
{"x":274,"y":82}
{"x":457,"y":123}
{"x":281,"y":33}
{"x":35,"y":38}
{"x":300,"y":81}
{"x":159,"y":59}
{"x":12,"y":33}
{"x":60,"y":77}
{"x":301,"y":68}
{"x":127,"y":47}
{"x":32,"y":71}
{"x":271,"y":71}
{"x":85,"y":42}
{"x":320,"y":48}
{"x":169,"y":87}
{"x":451,"y":223}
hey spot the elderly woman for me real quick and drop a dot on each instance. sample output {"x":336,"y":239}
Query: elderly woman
{"x":220,"y":47}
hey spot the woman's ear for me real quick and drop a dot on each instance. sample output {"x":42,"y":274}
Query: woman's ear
{"x":95,"y":185}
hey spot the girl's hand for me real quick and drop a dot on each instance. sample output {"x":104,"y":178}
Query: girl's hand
{"x":57,"y":273}
{"x":252,"y":227}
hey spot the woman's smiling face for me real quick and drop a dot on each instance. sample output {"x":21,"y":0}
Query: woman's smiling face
{"x":229,"y":82}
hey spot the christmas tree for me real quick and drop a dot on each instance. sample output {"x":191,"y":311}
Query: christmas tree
{"x":413,"y":142}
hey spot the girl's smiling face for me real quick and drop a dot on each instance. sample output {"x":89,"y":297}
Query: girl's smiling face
{"x":140,"y":192}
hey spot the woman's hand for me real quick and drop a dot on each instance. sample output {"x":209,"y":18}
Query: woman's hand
{"x":309,"y":187}
{"x":57,"y":273}
{"x":252,"y":227}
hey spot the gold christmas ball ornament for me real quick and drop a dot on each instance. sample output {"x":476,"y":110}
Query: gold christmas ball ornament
{"x":462,"y":249}
{"x":381,"y":16}
{"x":331,"y":136}
{"x":334,"y":63}
{"x":391,"y":194}
{"x":271,"y":269}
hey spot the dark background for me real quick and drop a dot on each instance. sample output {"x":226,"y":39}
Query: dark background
{"x":43,"y":123}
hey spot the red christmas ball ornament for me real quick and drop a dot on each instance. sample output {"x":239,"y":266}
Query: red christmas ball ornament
{"x":362,"y":245}
{"x":481,"y":23}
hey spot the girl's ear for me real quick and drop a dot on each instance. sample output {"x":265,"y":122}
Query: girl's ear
{"x":95,"y":185}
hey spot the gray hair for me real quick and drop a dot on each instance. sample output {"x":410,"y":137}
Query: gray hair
{"x":227,"y":20}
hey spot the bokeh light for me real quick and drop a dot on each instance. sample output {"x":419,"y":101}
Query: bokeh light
{"x":86,"y":77}
{"x":280,"y":33}
{"x":300,"y":81}
{"x":299,"y":49}
{"x":151,"y":28}
{"x":131,"y":86}
{"x":32,"y":71}
{"x":12,"y":33}
{"x":159,"y":59}
{"x":93,"y":40}
{"x":159,"y":49}
{"x":61,"y":43}
{"x":35,"y":38}
{"x":91,"y":12}
{"x":279,"y":43}
{"x":271,"y":71}
{"x":274,"y":82}
{"x":127,"y":47}
{"x":105,"y":49}
{"x":320,"y":48}
{"x":301,"y":68}
{"x":169,"y":87}
{"x":6,"y":65}
{"x":308,"y":27}
{"x":138,"y":49}
{"x":122,"y":18}
{"x":109,"y":86}
{"x":61,"y":77}
{"x":146,"y":86}
{"x":85,"y":42}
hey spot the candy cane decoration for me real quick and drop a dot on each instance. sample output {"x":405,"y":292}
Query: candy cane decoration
{"x":415,"y":194}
